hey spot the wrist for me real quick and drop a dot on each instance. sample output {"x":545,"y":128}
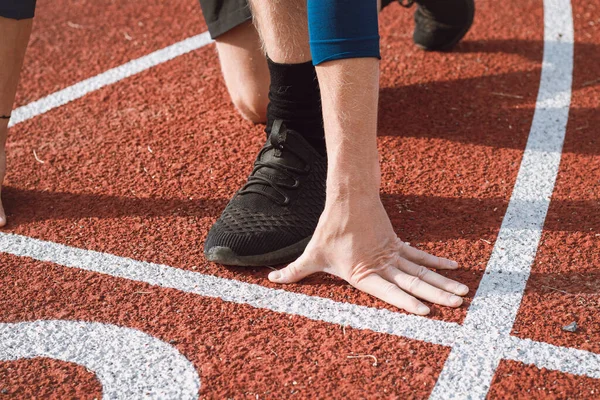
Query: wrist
{"x":353,"y":179}
{"x":352,"y":190}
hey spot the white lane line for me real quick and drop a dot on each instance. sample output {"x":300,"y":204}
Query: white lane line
{"x":109,"y":77}
{"x":128,"y":363}
{"x":315,"y":308}
{"x":557,"y":358}
{"x":542,"y":355}
{"x":495,"y":305}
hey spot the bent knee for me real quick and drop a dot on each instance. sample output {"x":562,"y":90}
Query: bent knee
{"x":252,"y":107}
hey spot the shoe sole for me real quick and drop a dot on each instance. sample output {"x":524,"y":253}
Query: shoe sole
{"x":451,"y":44}
{"x":226,"y":256}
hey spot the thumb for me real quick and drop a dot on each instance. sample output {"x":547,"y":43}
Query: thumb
{"x":294,"y":272}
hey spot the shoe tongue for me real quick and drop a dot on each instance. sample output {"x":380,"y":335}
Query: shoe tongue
{"x":281,"y":141}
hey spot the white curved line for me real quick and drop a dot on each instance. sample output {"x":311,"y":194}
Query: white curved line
{"x":494,"y":308}
{"x":128,"y":363}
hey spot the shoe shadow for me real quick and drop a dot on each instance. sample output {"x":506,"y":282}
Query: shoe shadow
{"x":416,"y":218}
{"x":29,"y":206}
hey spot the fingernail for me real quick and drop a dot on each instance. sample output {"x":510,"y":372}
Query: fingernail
{"x":275,"y":275}
{"x":455,"y":300}
{"x":422,"y":310}
{"x":454,"y":264}
{"x":463,"y":289}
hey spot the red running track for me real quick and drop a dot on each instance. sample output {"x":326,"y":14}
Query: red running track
{"x":143,"y":167}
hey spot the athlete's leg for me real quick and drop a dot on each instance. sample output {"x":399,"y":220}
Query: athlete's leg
{"x":243,"y":62}
{"x":245,"y":71}
{"x":14,"y":36}
{"x":270,"y":220}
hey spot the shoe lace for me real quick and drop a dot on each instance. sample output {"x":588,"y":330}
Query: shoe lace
{"x":261,"y":180}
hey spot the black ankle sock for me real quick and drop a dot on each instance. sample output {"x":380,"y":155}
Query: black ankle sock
{"x":295,"y":98}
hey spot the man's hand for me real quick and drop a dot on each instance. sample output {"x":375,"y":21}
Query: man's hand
{"x":355,"y":241}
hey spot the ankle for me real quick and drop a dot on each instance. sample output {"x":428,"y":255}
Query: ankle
{"x":295,"y":99}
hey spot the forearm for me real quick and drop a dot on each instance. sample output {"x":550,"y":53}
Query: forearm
{"x":344,"y":42}
{"x":350,"y":92}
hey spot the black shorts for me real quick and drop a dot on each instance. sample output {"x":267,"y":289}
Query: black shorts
{"x":17,"y":9}
{"x":223,"y":15}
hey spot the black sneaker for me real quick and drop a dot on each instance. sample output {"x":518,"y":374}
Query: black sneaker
{"x":271,"y":219}
{"x":440,"y":24}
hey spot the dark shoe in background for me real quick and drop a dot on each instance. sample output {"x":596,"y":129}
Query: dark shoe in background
{"x":439,"y":24}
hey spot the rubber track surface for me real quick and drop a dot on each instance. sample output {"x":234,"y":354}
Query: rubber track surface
{"x":143,"y":167}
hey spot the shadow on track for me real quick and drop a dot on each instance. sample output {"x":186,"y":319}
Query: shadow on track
{"x":491,"y":110}
{"x":29,"y":206}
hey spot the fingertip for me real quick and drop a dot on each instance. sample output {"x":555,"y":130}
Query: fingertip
{"x":455,"y":301}
{"x":452,"y":264}
{"x":422,"y":309}
{"x":275,"y":276}
{"x":2,"y":221}
{"x":462,"y":290}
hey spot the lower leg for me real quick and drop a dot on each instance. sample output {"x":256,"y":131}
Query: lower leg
{"x":294,"y":92}
{"x":270,"y":220}
{"x":14,"y":36}
{"x":245,"y":71}
{"x":283,"y":29}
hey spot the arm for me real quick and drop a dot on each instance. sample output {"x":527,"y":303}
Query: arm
{"x":354,"y":239}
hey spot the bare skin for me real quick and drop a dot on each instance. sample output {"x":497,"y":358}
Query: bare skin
{"x":14,"y":36}
{"x":354,"y":238}
{"x":245,"y":71}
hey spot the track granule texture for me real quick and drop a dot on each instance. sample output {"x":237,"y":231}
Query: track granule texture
{"x":42,"y":378}
{"x":515,"y":380}
{"x":74,"y":40}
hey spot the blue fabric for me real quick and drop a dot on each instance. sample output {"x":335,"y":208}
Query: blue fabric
{"x":342,"y":29}
{"x":17,"y":9}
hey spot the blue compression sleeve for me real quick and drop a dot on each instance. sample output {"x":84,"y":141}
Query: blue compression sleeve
{"x":342,"y":29}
